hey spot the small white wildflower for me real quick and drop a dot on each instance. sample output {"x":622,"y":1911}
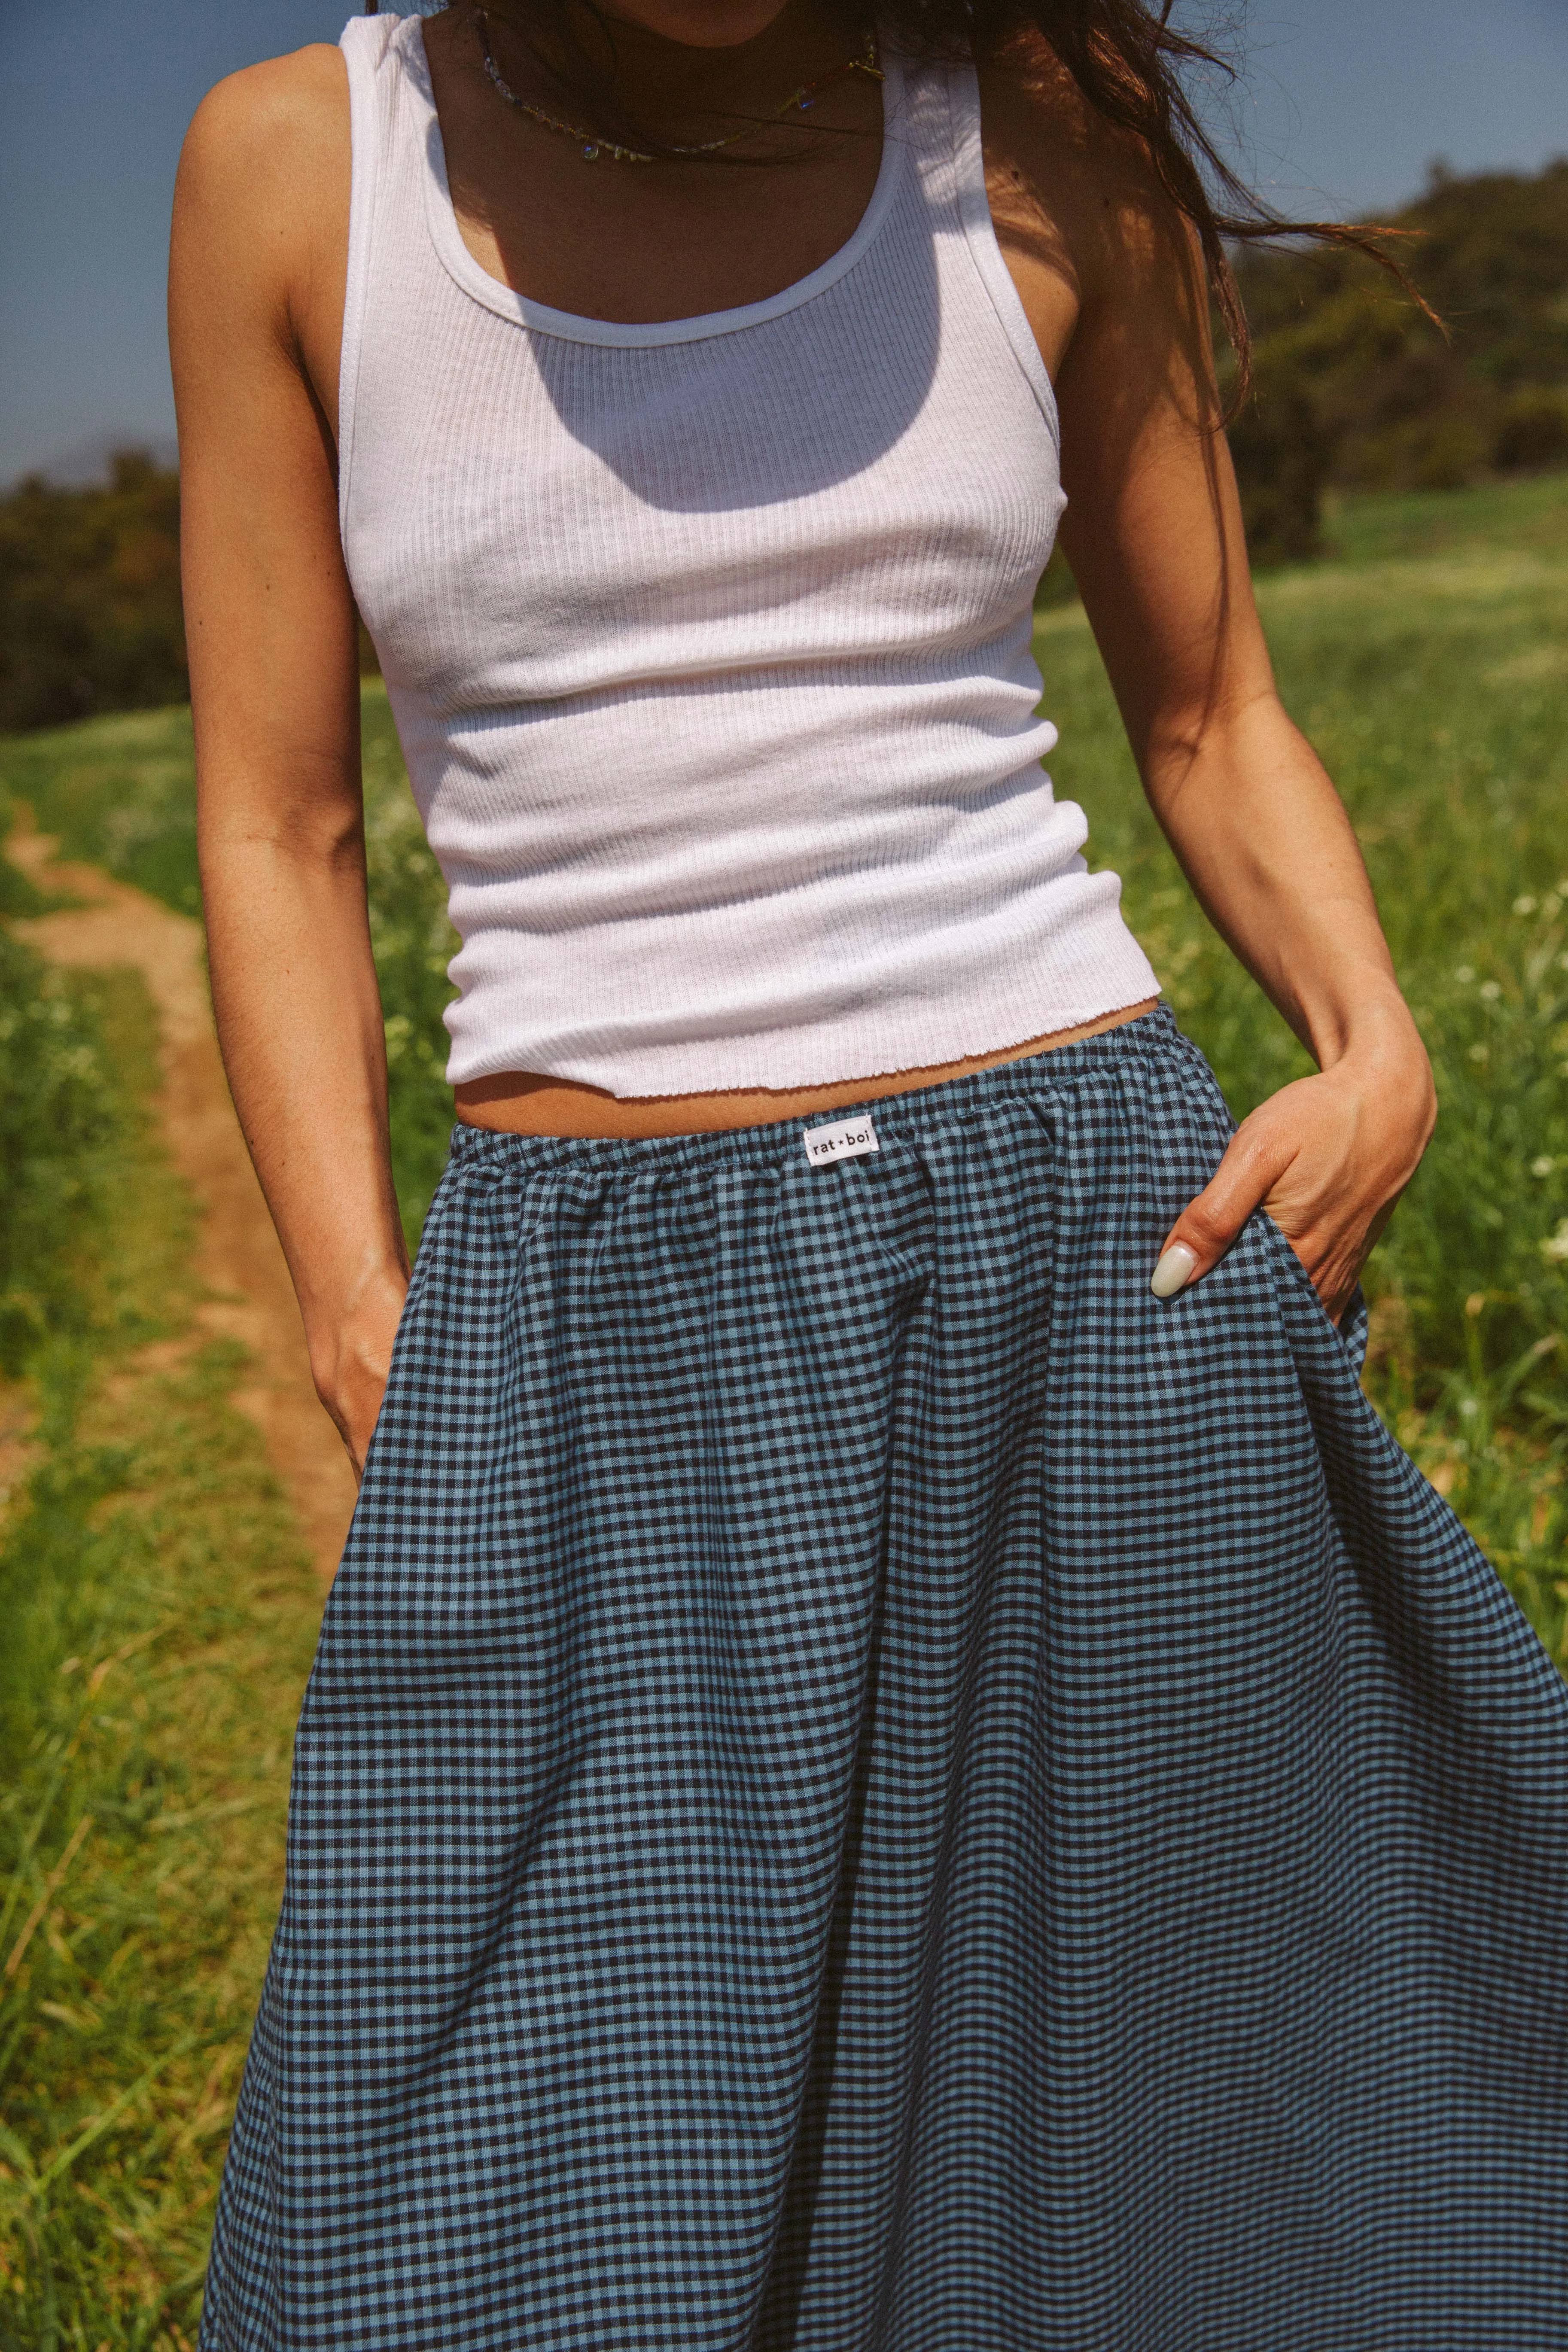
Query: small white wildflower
{"x":1544,"y":1166}
{"x":1467,"y":973}
{"x":1491,"y":990}
{"x":1468,"y":1407}
{"x":1525,"y":906}
{"x":1480,"y":1054}
{"x":1555,"y":1245}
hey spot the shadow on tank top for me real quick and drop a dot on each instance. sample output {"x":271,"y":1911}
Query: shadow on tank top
{"x":774,"y":402}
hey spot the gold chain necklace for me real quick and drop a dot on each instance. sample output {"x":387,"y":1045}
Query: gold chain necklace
{"x":797,"y":104}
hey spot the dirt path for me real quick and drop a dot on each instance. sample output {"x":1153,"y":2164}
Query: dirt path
{"x":239,"y":1261}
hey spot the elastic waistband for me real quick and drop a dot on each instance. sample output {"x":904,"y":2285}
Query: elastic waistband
{"x":907,"y":1117}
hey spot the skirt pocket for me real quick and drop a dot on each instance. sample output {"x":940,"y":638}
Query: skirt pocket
{"x":404,"y":1346}
{"x":1350,"y":1332}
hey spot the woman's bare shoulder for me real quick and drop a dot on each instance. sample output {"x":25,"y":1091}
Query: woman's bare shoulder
{"x":302,"y":96}
{"x":261,"y":215}
{"x":1086,"y":185}
{"x":271,"y":140}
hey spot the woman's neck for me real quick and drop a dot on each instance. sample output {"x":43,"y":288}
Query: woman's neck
{"x":685,"y":68}
{"x":644,"y":242}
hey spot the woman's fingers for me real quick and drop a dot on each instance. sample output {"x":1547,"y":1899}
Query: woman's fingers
{"x":1208,"y":1227}
{"x":1328,"y":1157}
{"x":1178,"y":1264}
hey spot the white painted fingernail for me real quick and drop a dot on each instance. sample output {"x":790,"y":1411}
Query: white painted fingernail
{"x":1174,"y":1271}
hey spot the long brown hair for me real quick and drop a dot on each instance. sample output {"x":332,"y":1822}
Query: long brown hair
{"x":1129,"y":60}
{"x":1131,"y":64}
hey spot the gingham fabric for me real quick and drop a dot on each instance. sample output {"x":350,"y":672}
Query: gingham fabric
{"x":869,"y":1785}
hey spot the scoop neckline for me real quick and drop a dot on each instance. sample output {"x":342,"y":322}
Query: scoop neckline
{"x":572,"y":327}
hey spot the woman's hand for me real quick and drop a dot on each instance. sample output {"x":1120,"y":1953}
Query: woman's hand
{"x":1327,"y":1158}
{"x":351,"y":1357}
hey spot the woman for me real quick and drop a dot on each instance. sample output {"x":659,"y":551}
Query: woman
{"x":897,"y":1760}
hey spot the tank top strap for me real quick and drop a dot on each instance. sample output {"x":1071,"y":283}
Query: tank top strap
{"x":381,"y":126}
{"x":964,"y":151}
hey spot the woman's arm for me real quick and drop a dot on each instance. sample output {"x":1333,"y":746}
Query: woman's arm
{"x":1153,"y":533}
{"x":256,"y":306}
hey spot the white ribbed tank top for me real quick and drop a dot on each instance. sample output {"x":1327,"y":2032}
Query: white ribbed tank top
{"x":709,"y":642}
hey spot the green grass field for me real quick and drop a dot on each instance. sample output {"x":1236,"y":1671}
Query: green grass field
{"x":159,"y":1614}
{"x":159,"y":1618}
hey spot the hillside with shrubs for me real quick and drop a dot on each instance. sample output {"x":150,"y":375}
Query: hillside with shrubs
{"x":1355,"y":389}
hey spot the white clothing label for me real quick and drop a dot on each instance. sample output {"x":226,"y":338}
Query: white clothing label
{"x":848,"y":1140}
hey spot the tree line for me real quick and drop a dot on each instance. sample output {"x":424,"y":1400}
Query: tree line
{"x":90,"y":596}
{"x":1355,"y":387}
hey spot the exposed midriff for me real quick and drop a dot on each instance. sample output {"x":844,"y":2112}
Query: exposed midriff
{"x":515,"y":1102}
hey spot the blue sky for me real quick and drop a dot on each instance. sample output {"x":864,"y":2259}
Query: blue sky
{"x":1345,"y":104}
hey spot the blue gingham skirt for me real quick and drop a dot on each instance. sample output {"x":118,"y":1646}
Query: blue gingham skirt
{"x":870,"y":1787}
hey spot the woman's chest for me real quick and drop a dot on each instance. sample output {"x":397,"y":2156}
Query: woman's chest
{"x":832,"y":483}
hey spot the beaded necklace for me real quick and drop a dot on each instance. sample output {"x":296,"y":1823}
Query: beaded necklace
{"x":797,"y":104}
